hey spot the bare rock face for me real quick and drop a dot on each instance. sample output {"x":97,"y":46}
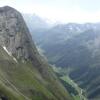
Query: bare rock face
{"x":14,"y":34}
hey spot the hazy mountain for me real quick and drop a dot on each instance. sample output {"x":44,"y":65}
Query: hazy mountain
{"x":76,"y":47}
{"x":36,"y":24}
{"x":39,"y":23}
{"x":24,"y":75}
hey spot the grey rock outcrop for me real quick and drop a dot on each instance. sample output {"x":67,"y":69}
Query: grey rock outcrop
{"x":14,"y":33}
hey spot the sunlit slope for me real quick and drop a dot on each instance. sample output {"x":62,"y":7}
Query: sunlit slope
{"x":22,"y":81}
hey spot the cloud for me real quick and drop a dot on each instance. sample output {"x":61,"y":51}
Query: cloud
{"x":59,"y":10}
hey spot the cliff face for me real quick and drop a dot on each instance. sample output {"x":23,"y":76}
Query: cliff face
{"x":23,"y":73}
{"x":14,"y":33}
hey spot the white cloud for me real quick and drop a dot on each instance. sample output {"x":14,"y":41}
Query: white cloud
{"x":57,"y":10}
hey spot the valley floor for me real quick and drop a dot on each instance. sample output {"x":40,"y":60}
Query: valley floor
{"x":67,"y":80}
{"x":80,"y":91}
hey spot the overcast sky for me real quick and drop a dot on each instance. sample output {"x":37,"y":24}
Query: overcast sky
{"x":79,"y":11}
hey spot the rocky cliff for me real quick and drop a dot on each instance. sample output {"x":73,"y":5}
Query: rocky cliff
{"x":14,"y":33}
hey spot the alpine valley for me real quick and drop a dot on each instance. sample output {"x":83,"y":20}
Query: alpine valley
{"x":74,"y":51}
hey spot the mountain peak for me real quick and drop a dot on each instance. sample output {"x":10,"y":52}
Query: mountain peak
{"x":14,"y":34}
{"x":6,"y":8}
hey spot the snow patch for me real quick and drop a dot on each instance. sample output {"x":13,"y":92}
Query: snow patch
{"x":70,"y":28}
{"x":15,"y":59}
{"x":78,"y":29}
{"x":9,"y":53}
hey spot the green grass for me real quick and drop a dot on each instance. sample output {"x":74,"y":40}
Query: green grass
{"x":9,"y":93}
{"x":76,"y":97}
{"x":23,"y":78}
{"x":23,"y":81}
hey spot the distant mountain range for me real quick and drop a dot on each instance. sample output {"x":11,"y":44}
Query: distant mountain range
{"x":39,"y":23}
{"x":36,"y":23}
{"x":75,"y":47}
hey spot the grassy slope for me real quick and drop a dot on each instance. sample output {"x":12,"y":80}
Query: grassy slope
{"x":22,"y":81}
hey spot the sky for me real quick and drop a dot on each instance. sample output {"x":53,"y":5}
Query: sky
{"x":64,"y":11}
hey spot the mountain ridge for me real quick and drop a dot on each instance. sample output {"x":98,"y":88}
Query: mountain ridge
{"x":76,"y":47}
{"x":23,"y":73}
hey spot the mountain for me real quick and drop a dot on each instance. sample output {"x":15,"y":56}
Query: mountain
{"x":36,"y":24}
{"x":24,"y":75}
{"x":76,"y":49}
{"x":39,"y":23}
{"x":62,"y":32}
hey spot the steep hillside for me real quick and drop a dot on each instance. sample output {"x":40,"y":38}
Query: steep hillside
{"x":75,"y":47}
{"x":23,"y":73}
